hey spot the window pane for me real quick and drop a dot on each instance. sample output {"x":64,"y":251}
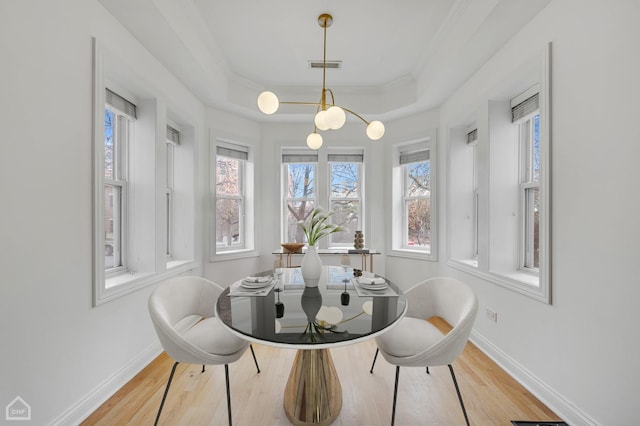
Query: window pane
{"x":532,"y":228}
{"x":345,"y":180}
{"x":418,"y":179}
{"x":112,"y":226}
{"x":109,"y":154}
{"x":345,"y":214}
{"x":168,"y":224}
{"x":228,"y":222}
{"x":228,"y":180}
{"x":300,"y":180}
{"x":297,"y":211}
{"x":536,"y":148}
{"x":418,"y":222}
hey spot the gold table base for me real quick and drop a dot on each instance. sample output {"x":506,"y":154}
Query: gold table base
{"x":313,"y":395}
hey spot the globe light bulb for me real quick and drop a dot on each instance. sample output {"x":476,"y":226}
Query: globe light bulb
{"x":268,"y":102}
{"x":314,"y":140}
{"x":335,"y":117}
{"x":375,"y":130}
{"x":321,"y":120}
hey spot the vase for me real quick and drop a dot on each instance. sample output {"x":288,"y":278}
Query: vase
{"x":311,"y":301}
{"x":311,"y":267}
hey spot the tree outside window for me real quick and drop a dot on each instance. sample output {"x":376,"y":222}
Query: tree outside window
{"x":229,"y":202}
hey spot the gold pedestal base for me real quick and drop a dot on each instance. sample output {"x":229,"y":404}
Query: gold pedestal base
{"x":313,"y":395}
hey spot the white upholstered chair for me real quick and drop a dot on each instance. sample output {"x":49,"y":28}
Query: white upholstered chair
{"x":182,"y":310}
{"x":415,"y":342}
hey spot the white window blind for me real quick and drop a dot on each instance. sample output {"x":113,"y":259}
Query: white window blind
{"x":525,"y":108}
{"x":173,"y":135}
{"x":120,"y":104}
{"x":237,"y":153}
{"x":346,"y":158}
{"x":472,"y":136}
{"x":417,"y":156}
{"x":299,"y":157}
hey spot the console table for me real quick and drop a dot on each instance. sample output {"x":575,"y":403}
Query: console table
{"x":286,"y":258}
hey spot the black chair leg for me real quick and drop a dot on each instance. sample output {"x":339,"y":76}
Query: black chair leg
{"x":374,"y":360}
{"x":428,"y":370}
{"x":455,"y":382}
{"x":395,"y":396}
{"x":226,"y":376}
{"x":202,"y":368}
{"x":166,"y":390}
{"x":254,"y":358}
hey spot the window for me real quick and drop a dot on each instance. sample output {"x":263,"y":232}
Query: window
{"x":413,"y":211}
{"x":230,"y":200}
{"x":143,"y":211}
{"x":119,"y":115}
{"x":416,"y":169}
{"x":472,"y":139}
{"x":173,"y":140}
{"x":300,"y":197}
{"x":338,"y":188}
{"x":345,"y":197}
{"x":529,"y":134}
{"x":511,"y":182}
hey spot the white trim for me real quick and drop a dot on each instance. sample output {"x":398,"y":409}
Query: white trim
{"x":560,"y":405}
{"x":84,"y":407}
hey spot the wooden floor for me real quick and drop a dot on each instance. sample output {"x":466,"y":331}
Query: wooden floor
{"x":490,"y":395}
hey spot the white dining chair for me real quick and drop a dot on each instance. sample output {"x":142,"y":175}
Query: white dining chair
{"x":415,"y":342}
{"x":182,"y":310}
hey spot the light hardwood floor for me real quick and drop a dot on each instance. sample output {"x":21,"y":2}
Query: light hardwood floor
{"x":491,"y":396}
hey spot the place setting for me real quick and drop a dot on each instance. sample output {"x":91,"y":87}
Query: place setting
{"x":370,"y":285}
{"x":252,"y":286}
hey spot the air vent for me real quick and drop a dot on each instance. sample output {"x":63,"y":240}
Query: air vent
{"x":330,"y":64}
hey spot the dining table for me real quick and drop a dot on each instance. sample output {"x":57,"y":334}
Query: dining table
{"x":276,"y":308}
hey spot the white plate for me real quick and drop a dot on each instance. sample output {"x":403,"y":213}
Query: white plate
{"x":251,"y":284}
{"x":374,"y":287}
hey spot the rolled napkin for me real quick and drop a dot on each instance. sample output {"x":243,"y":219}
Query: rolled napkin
{"x":257,"y":279}
{"x":371,"y":280}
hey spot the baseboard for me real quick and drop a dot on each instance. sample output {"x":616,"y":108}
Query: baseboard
{"x":79,"y":411}
{"x":564,"y":408}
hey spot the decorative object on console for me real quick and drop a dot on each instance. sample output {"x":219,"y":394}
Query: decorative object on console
{"x":292,"y":247}
{"x":358,"y":240}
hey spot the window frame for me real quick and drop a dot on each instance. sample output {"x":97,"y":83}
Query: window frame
{"x":287,"y":158}
{"x":400,"y":227}
{"x":170,"y":147}
{"x":527,"y":183}
{"x":121,"y":141}
{"x":359,"y":198}
{"x":322,"y":194}
{"x":245,"y":196}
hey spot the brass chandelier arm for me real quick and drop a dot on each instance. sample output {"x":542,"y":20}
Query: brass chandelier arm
{"x":329,"y":116}
{"x":318,"y":104}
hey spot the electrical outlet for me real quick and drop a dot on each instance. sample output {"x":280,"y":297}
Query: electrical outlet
{"x":492,"y":315}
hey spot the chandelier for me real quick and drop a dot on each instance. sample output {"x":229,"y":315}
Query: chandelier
{"x":329,"y":116}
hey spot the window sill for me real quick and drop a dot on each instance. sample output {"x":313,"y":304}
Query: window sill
{"x":125,"y":283}
{"x":518,"y":281}
{"x":233,"y":254}
{"x":412,"y":254}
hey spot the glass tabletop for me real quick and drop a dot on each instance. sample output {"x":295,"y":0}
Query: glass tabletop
{"x":337,"y":312}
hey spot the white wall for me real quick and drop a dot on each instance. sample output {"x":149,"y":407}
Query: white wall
{"x":60,"y":354}
{"x":578,"y":353}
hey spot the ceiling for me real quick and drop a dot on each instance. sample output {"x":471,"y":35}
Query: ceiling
{"x":397,"y":57}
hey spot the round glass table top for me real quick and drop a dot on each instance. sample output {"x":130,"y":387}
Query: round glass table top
{"x":341,"y":310}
